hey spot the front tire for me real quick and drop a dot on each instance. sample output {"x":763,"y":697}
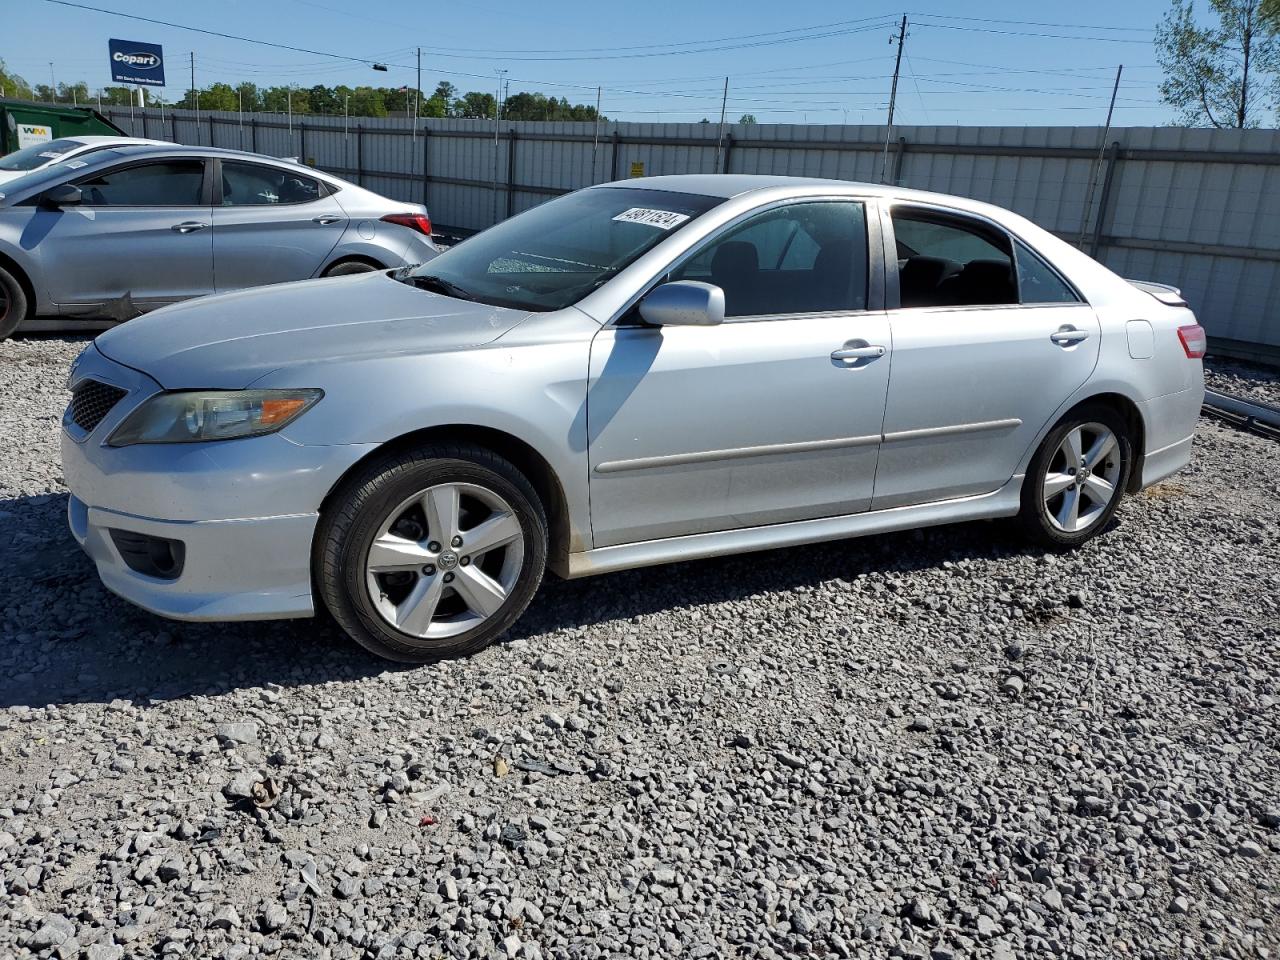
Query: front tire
{"x":431,"y":553}
{"x":13,"y":303}
{"x":1077,"y":478}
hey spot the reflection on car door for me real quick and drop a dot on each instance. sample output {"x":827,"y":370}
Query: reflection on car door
{"x":271,"y":224}
{"x":774,"y":415}
{"x":988,"y":343}
{"x":141,"y":231}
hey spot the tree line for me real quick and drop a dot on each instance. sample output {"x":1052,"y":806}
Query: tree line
{"x":361,"y":101}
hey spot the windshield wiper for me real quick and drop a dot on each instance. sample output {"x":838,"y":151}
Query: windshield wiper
{"x":437,"y":285}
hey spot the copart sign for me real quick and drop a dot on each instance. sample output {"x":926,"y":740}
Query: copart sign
{"x":135,"y":62}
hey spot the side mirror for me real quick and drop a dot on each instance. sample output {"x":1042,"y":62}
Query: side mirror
{"x":63,"y":195}
{"x":683,"y":303}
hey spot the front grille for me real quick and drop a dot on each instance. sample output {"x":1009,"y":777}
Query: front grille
{"x":92,"y":401}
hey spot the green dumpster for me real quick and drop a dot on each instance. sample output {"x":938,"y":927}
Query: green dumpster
{"x":23,"y":124}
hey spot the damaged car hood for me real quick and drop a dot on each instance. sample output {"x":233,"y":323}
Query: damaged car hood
{"x":229,"y":340}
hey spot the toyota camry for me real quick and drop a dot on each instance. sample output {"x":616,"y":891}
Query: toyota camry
{"x":641,"y":372}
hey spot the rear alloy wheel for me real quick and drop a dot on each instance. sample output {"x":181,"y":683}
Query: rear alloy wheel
{"x":13,"y":303}
{"x":432,"y":554}
{"x":1077,"y":478}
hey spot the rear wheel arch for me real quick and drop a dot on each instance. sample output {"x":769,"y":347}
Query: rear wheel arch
{"x":518,"y":452}
{"x":1128,"y":409}
{"x":352,"y":259}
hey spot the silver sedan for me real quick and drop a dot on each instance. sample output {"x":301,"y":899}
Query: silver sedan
{"x":118,"y":232}
{"x":636,"y":373}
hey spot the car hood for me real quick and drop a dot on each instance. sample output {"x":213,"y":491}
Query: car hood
{"x":230,"y":340}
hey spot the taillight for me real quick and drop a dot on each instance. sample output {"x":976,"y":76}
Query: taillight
{"x":414,"y":221}
{"x":1193,"y":340}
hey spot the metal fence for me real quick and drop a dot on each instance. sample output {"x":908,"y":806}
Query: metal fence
{"x":1196,"y":208}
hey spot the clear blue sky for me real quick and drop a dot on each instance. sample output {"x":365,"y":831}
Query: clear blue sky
{"x":815,"y":61}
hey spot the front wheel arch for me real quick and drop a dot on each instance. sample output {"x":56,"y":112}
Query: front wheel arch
{"x":508,"y":446}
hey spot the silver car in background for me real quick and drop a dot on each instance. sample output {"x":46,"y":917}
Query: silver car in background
{"x":636,"y":373}
{"x":126,"y":230}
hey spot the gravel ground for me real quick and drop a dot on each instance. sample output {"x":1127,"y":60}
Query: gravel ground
{"x":1247,"y":381}
{"x":938,"y":745}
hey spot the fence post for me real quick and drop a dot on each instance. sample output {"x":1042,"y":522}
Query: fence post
{"x":1113,"y":160}
{"x":253,"y":134}
{"x":211,"y":129}
{"x":511,"y":169}
{"x":728,"y":148}
{"x":360,"y":154}
{"x":898,"y":157}
{"x":302,"y":140}
{"x":613,"y":155}
{"x":173,"y":125}
{"x":426,"y":156}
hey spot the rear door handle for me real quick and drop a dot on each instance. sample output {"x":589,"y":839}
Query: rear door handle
{"x":191,"y":226}
{"x":1066,"y":336}
{"x":863,"y":351}
{"x":326,"y":219}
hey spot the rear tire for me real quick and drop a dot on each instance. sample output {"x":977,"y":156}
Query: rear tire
{"x":1077,"y":478}
{"x":13,"y":303}
{"x":431,"y":553}
{"x":348,"y":267}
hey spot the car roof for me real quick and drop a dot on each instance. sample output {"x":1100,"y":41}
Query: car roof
{"x":730,"y":185}
{"x":92,"y":141}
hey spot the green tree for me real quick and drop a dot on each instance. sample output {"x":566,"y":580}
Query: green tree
{"x":1271,"y":12}
{"x":248,"y":97}
{"x":440,"y":103}
{"x":322,"y":99}
{"x":367,"y":102}
{"x":747,"y":118}
{"x":44,"y":93}
{"x":219,"y":96}
{"x":1217,"y":75}
{"x":475,"y":105}
{"x":118,"y":96}
{"x":74,"y":92}
{"x":14,"y":86}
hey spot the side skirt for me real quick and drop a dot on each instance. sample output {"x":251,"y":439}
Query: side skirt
{"x":1004,"y":502}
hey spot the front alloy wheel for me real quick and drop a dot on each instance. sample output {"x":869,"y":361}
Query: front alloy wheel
{"x":431,"y":553}
{"x":1076,"y":479}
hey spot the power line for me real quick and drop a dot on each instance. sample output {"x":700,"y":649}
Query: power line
{"x":1035,"y":23}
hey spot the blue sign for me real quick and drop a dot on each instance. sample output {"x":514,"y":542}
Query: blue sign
{"x":133,"y":62}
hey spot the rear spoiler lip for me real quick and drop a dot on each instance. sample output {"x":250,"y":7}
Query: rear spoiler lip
{"x":1168,"y":295}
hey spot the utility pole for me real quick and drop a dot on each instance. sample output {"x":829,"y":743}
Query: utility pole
{"x":595,"y":138}
{"x":417,"y":92}
{"x":53,"y":83}
{"x":893,"y":99}
{"x":496,"y":95}
{"x":195,"y":94}
{"x":724,"y":102}
{"x":1097,"y":167}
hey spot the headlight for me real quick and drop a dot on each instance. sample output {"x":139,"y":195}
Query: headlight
{"x":191,"y":416}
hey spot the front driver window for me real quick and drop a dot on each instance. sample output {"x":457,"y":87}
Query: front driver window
{"x":801,"y":258}
{"x":169,"y":183}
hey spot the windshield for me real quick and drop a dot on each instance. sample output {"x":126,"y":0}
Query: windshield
{"x":54,"y":174}
{"x":555,"y":254}
{"x":37,"y":155}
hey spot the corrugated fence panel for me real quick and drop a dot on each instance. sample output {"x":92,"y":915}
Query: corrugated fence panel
{"x":1196,"y":208}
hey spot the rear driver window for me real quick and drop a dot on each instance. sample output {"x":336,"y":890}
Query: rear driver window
{"x":1037,"y":283}
{"x":252,"y":185}
{"x":945,"y":261}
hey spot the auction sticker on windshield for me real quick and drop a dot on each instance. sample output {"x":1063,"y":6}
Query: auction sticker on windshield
{"x":662,"y":219}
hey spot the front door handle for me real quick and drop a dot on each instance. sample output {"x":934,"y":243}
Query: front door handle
{"x":326,"y":219}
{"x":191,"y":226}
{"x":858,"y":350}
{"x":1066,"y":336}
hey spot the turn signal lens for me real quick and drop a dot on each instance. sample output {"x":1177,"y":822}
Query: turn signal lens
{"x":192,"y":416}
{"x":1194,"y":341}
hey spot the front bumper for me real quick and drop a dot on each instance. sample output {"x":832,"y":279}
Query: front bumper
{"x":245,"y":511}
{"x":248,"y":569}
